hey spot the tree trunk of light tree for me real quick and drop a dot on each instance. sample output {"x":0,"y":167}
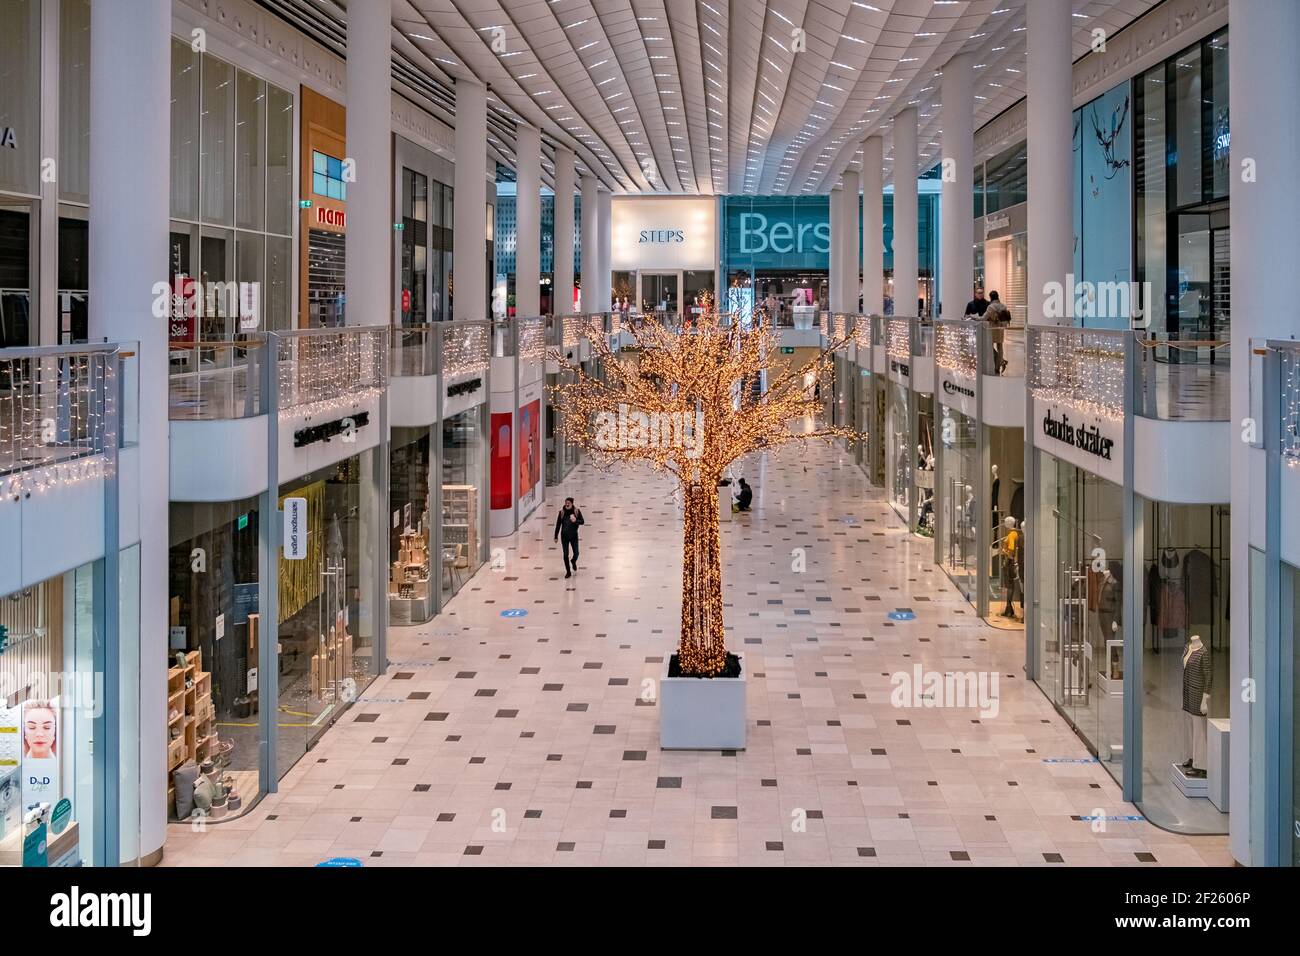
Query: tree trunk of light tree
{"x":702,"y":651}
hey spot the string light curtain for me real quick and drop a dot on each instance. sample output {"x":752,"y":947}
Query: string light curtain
{"x":704,"y":379}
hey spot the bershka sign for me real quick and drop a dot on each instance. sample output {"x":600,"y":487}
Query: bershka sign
{"x":1088,"y":439}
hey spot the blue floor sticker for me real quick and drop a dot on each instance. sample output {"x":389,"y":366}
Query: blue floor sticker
{"x":514,"y":612}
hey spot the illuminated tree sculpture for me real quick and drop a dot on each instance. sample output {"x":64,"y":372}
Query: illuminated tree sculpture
{"x":686,"y":401}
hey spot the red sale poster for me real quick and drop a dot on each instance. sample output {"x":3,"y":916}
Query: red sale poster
{"x":501,"y":458}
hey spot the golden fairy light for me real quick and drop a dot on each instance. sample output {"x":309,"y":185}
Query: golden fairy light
{"x":689,"y":405}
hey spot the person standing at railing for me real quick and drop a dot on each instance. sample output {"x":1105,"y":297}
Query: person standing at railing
{"x":998,"y":316}
{"x":977,"y":306}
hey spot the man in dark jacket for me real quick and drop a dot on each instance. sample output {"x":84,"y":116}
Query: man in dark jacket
{"x":566,"y":532}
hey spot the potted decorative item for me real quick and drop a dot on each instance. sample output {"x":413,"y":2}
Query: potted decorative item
{"x":690,"y":406}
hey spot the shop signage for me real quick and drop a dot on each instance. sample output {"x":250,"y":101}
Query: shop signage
{"x":663,"y":232}
{"x":900,"y":367}
{"x":4,"y":638}
{"x":295,"y":529}
{"x":995,"y":221}
{"x":662,"y":235}
{"x":61,"y":816}
{"x":467,"y":387}
{"x":331,"y":217}
{"x":327,"y":430}
{"x":952,"y":388}
{"x":1086,"y":438}
{"x":787,"y":350}
{"x":8,"y":137}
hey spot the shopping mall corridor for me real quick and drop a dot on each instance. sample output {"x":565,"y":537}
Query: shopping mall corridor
{"x":525,"y":740}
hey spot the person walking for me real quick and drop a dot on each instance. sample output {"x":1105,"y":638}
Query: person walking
{"x":566,"y":532}
{"x":998,"y":316}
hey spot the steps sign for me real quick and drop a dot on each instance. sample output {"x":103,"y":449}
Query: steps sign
{"x":295,"y":529}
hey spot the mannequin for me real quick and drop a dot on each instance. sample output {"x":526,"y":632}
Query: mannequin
{"x":1197,"y":674}
{"x":920,"y":457}
{"x":968,"y":510}
{"x":1008,"y":550}
{"x":996,"y":486}
{"x":1110,"y":600}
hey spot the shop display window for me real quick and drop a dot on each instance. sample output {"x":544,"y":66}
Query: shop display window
{"x":463,"y":465}
{"x":215,"y":630}
{"x":51,"y":709}
{"x":1186,"y":683}
{"x":326,"y":606}
{"x":924,"y":454}
{"x":410,"y":594}
{"x":1080,"y":549}
{"x":900,"y":457}
{"x":1006,"y":493}
{"x":960,"y":511}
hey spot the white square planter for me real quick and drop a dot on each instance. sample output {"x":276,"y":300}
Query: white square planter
{"x":702,"y":713}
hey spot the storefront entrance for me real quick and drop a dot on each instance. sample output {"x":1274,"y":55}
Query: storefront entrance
{"x":658,"y":291}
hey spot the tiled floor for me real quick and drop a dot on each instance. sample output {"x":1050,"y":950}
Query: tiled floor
{"x":525,"y":740}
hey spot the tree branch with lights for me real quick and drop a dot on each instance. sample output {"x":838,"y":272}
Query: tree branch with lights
{"x":686,"y":402}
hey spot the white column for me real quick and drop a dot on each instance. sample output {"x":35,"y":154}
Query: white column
{"x":957,"y":254}
{"x":469,"y":255}
{"x":130,"y":110}
{"x":562,"y":278}
{"x":1263,"y":85}
{"x":603,"y":215}
{"x":590,"y":240}
{"x":369,"y":241}
{"x":849,"y":258}
{"x":835,"y":283}
{"x":905,"y":214}
{"x":528,"y":222}
{"x":1050,"y":145}
{"x":873,"y":237}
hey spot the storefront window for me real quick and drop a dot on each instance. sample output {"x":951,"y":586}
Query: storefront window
{"x":925,"y":461}
{"x":1185,"y":654}
{"x":326,"y":604}
{"x":74,"y":100}
{"x":1006,"y":491}
{"x":415,"y":247}
{"x":463,"y":467}
{"x":900,"y":457}
{"x":232,"y":150}
{"x":1080,"y":548}
{"x":20,"y":95}
{"x":410,"y":597}
{"x":960,"y":510}
{"x":215,"y":634}
{"x":51,"y":674}
{"x":1006,"y":181}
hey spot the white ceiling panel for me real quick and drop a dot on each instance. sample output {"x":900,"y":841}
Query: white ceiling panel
{"x":713,"y":96}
